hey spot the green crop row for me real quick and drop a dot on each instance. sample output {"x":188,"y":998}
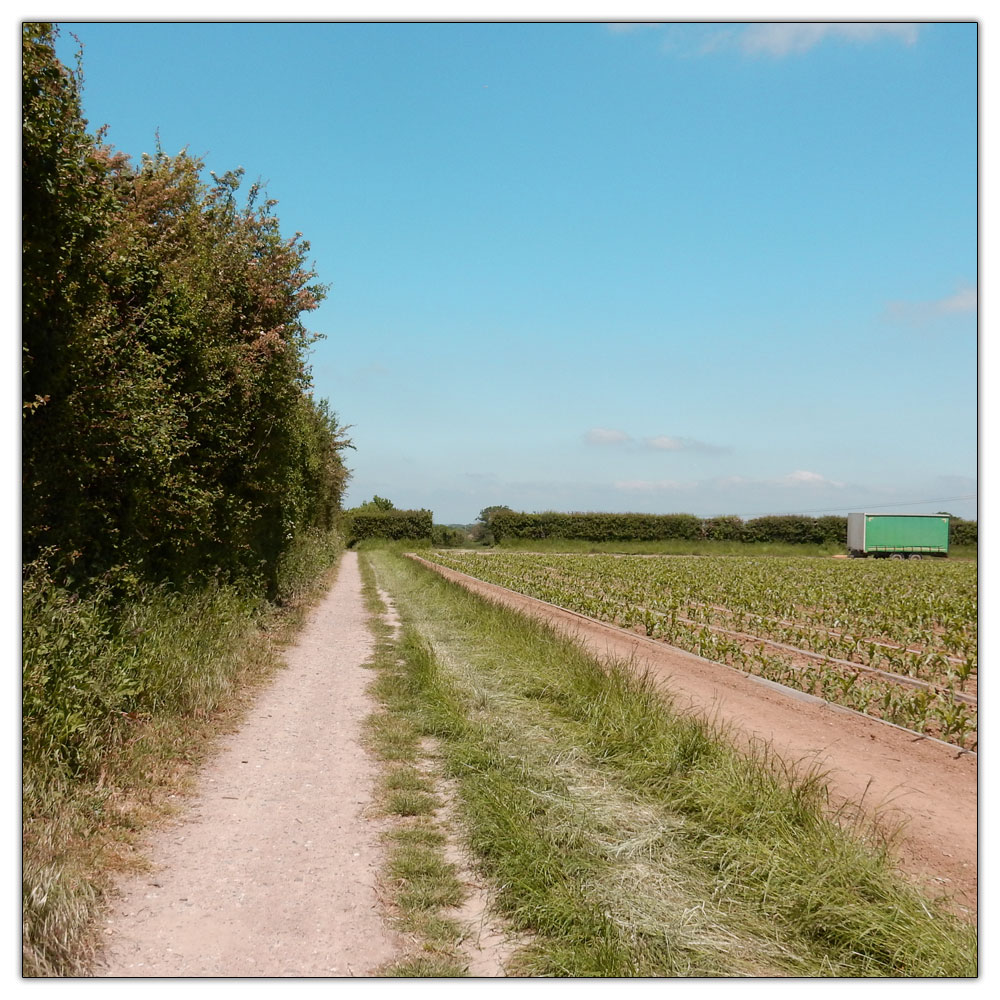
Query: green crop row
{"x":832,"y":628}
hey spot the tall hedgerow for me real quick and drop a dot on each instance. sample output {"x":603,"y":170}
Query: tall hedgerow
{"x":169,"y":431}
{"x":177,"y":475}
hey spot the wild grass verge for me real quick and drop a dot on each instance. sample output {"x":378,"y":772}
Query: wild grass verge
{"x":632,"y":840}
{"x":424,"y":884}
{"x":398,"y":546}
{"x":120,"y":703}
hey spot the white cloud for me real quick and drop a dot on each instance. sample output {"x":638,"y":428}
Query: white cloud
{"x":606,"y":436}
{"x":802,"y":477}
{"x":626,"y":27}
{"x":649,"y":485}
{"x":665,"y":442}
{"x":785,"y":39}
{"x":780,"y":39}
{"x":798,"y":478}
{"x":612,"y":437}
{"x":963,"y":301}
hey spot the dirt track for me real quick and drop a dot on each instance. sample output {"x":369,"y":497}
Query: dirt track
{"x":928,"y":786}
{"x":271,"y":871}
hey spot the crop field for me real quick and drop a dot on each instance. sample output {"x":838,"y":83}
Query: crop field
{"x":897,"y":640}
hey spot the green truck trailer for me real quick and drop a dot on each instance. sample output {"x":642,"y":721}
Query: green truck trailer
{"x":897,"y":536}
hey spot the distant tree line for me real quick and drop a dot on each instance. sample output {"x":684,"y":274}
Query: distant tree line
{"x":499,"y":523}
{"x":169,"y":428}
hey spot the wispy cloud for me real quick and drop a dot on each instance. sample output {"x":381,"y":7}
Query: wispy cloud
{"x":780,"y":40}
{"x":606,"y":436}
{"x":650,"y":485}
{"x":802,"y":477}
{"x":629,"y":27}
{"x":777,"y":40}
{"x":665,"y":442}
{"x":797,"y":479}
{"x":963,"y":301}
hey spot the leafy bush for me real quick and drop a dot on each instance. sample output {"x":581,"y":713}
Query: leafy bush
{"x":796,"y":528}
{"x":176,"y":468}
{"x":962,"y":532}
{"x":311,"y":553}
{"x":593,"y":527}
{"x":360,"y":525}
{"x":90,"y":663}
{"x":508,"y":524}
{"x":169,"y":428}
{"x":727,"y":528}
{"x":446,"y":537}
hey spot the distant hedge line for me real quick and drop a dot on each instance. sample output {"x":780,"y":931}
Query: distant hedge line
{"x":963,"y":532}
{"x":594,"y":527}
{"x":391,"y":524}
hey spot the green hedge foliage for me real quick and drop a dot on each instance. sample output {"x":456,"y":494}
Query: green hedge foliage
{"x":395,"y":525}
{"x":446,"y":537}
{"x":169,"y":428}
{"x":962,"y":532}
{"x":596,"y":527}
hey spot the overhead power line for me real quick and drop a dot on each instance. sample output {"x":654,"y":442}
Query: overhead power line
{"x":858,"y":507}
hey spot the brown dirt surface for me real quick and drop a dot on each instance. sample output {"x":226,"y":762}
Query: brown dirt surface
{"x":926,"y":787}
{"x":272,"y":869}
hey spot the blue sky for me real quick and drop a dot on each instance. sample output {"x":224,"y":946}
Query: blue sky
{"x":716,"y":268}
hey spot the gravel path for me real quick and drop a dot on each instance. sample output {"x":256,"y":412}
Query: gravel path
{"x":272,"y":869}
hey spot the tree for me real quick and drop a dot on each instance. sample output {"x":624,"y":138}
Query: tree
{"x":170,"y":431}
{"x":487,"y":513}
{"x":482,"y":530}
{"x":377,"y":504}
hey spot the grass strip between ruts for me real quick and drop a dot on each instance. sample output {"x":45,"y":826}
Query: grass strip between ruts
{"x":423,"y":883}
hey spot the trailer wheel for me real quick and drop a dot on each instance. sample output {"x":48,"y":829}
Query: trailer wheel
{"x":914,"y":555}
{"x":896,"y":555}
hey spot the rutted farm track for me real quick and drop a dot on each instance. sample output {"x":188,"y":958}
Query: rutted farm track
{"x":922,"y":785}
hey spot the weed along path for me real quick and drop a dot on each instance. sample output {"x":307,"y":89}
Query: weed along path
{"x":271,"y":869}
{"x":927,"y":787}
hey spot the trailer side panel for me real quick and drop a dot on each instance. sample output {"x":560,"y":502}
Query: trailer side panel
{"x":905,"y":533}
